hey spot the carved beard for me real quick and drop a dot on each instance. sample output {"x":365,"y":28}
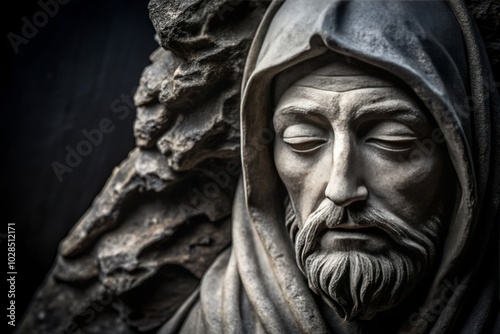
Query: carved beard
{"x":357,"y":284}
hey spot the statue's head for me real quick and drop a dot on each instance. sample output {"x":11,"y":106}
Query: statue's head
{"x":365,"y":196}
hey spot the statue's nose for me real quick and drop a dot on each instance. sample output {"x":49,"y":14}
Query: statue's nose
{"x":345,"y":185}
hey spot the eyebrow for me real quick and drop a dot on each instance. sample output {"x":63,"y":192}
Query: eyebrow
{"x":395,"y":108}
{"x":314,"y":115}
{"x":313,"y":112}
{"x":388,"y":110}
{"x":381,"y":109}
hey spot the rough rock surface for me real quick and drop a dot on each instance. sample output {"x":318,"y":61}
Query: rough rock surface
{"x":163,"y":215}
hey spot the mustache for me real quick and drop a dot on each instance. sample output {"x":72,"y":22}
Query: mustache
{"x":328,"y":216}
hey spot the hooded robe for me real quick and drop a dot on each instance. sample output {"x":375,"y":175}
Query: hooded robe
{"x":435,"y":49}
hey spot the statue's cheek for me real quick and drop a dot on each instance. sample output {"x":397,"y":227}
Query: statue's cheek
{"x":410,"y":189}
{"x":304,"y":176}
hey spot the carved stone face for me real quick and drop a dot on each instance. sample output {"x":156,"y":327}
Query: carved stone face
{"x":365,"y":199}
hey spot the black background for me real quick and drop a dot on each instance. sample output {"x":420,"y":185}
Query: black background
{"x":62,"y":81}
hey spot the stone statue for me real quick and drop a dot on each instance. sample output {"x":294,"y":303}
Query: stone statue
{"x":370,"y":185}
{"x":376,"y":162}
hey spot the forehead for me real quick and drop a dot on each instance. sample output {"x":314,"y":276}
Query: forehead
{"x":346,"y":91}
{"x":359,"y":96}
{"x":317,"y":96}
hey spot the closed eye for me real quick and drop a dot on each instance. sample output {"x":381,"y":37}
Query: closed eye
{"x":304,"y":144}
{"x":394,"y":144}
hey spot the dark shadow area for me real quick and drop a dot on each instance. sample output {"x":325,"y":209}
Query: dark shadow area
{"x":70,"y":71}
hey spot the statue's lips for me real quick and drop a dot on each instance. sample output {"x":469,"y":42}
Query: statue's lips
{"x":349,"y":237}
